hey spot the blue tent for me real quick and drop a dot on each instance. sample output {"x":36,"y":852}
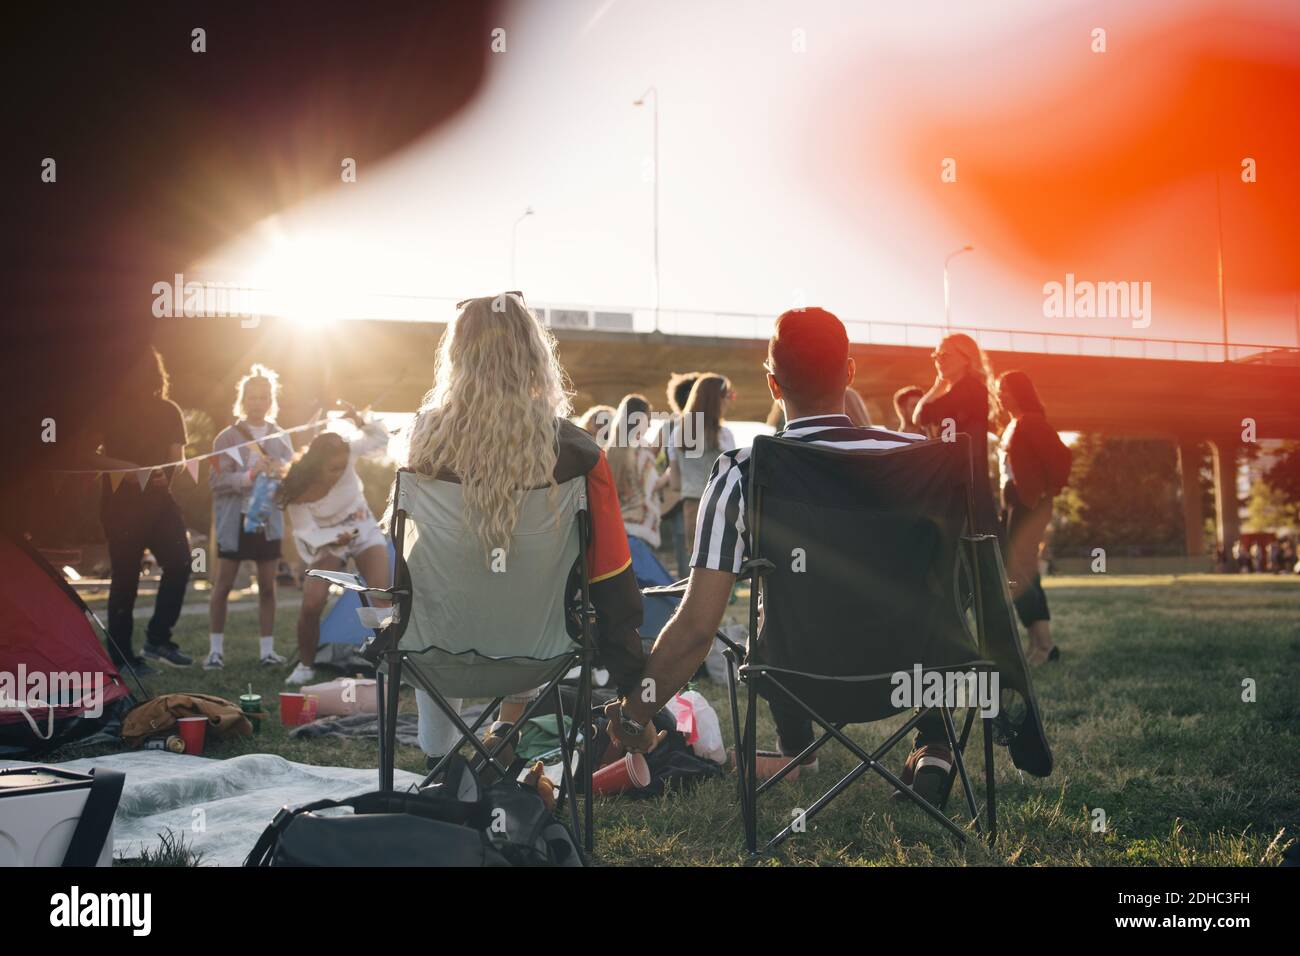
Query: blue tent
{"x":340,"y":625}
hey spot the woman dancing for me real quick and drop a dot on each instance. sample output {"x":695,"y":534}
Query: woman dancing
{"x":332,"y":523}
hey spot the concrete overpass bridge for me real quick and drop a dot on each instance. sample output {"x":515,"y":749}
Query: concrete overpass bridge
{"x":1183,"y":391}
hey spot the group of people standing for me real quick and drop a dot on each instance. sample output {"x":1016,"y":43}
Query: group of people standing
{"x":1033,"y":464}
{"x":660,"y":475}
{"x":660,"y":488}
{"x":659,"y":478}
{"x":253,"y":458}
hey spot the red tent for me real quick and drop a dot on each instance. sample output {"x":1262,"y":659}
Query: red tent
{"x":50,"y":653}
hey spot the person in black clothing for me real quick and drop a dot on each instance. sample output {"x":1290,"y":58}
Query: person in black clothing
{"x":1035,"y":467}
{"x":145,"y":428}
{"x":958,"y":401}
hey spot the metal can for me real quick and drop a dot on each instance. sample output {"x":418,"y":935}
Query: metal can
{"x":172,"y":743}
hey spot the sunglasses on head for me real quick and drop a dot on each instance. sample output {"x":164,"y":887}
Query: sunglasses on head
{"x":464,"y":302}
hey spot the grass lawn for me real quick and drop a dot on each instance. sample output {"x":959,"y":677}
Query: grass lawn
{"x":1144,"y":713}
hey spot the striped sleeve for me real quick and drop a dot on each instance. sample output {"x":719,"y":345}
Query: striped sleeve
{"x":720,"y":535}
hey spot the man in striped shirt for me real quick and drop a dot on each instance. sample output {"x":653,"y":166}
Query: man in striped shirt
{"x":808,"y":370}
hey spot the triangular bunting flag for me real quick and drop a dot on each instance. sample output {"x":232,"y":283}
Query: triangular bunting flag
{"x":115,"y":478}
{"x":233,"y":452}
{"x":143,"y":476}
{"x":192,"y":466}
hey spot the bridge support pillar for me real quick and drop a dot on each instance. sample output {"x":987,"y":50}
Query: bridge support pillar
{"x":1228,"y":523}
{"x":1189,"y":467}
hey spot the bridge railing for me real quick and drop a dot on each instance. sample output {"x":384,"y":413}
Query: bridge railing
{"x":560,"y":316}
{"x":728,"y":325}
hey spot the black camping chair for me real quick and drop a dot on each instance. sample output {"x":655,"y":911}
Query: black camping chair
{"x":864,"y":567}
{"x":420,"y":659}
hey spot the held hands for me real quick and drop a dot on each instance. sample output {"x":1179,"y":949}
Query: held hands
{"x":647,"y":741}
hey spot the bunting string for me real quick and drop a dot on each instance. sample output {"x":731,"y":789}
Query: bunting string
{"x":190,"y":465}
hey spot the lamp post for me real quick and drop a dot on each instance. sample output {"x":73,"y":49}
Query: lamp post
{"x":641,"y":102}
{"x":514,"y":241}
{"x":947,"y":295}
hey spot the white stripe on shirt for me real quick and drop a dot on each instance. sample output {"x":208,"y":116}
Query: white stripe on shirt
{"x":726,"y":487}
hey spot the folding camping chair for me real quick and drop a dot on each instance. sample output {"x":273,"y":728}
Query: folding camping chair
{"x":860,"y":562}
{"x":466,"y":626}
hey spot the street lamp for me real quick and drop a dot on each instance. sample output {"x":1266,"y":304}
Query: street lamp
{"x":947,"y":296}
{"x":641,"y":102}
{"x":514,"y":242}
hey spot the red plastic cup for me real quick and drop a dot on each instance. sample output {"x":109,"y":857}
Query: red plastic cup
{"x":630,"y":773}
{"x":291,"y":708}
{"x":194,"y":731}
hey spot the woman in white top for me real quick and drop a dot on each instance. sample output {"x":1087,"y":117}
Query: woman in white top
{"x":632,"y":463}
{"x":696,"y":442}
{"x":332,"y":523}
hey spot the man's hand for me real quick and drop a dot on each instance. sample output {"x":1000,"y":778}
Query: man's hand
{"x":647,"y":741}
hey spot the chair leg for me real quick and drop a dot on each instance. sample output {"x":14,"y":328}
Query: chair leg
{"x":742,"y":792}
{"x":959,"y":759}
{"x":961,"y":744}
{"x":566,"y":761}
{"x":394,"y":680}
{"x":990,"y":782}
{"x":750,"y":746}
{"x":819,"y":803}
{"x":381,"y":705}
{"x":589,"y":758}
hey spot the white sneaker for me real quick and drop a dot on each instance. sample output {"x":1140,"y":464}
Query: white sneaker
{"x":214,"y":662}
{"x":302,"y":674}
{"x":273,"y":658}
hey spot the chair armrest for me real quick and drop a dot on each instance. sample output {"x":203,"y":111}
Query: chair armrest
{"x":677,"y":588}
{"x":751,"y":568}
{"x":755,"y":568}
{"x":349,"y":582}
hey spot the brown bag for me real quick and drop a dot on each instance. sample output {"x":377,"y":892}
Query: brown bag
{"x":158,"y":716}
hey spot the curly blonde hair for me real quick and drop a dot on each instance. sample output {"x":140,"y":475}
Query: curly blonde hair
{"x":493,"y":414}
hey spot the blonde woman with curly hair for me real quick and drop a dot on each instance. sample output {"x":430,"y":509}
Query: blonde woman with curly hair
{"x":496,"y":423}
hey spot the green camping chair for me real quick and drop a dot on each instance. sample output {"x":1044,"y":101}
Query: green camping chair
{"x":465,"y":624}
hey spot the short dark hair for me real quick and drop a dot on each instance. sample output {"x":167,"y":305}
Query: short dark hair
{"x":808,"y":352}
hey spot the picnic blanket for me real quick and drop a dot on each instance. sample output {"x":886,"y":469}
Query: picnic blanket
{"x":220,"y":807}
{"x":367,"y":725}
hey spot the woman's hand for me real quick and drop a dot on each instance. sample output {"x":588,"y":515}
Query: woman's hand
{"x":350,"y":412}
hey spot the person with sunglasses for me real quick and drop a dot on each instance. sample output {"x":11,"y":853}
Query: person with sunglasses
{"x":957,"y":402}
{"x":496,"y":422}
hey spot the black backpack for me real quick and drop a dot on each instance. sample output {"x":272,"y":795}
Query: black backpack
{"x":454,"y":823}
